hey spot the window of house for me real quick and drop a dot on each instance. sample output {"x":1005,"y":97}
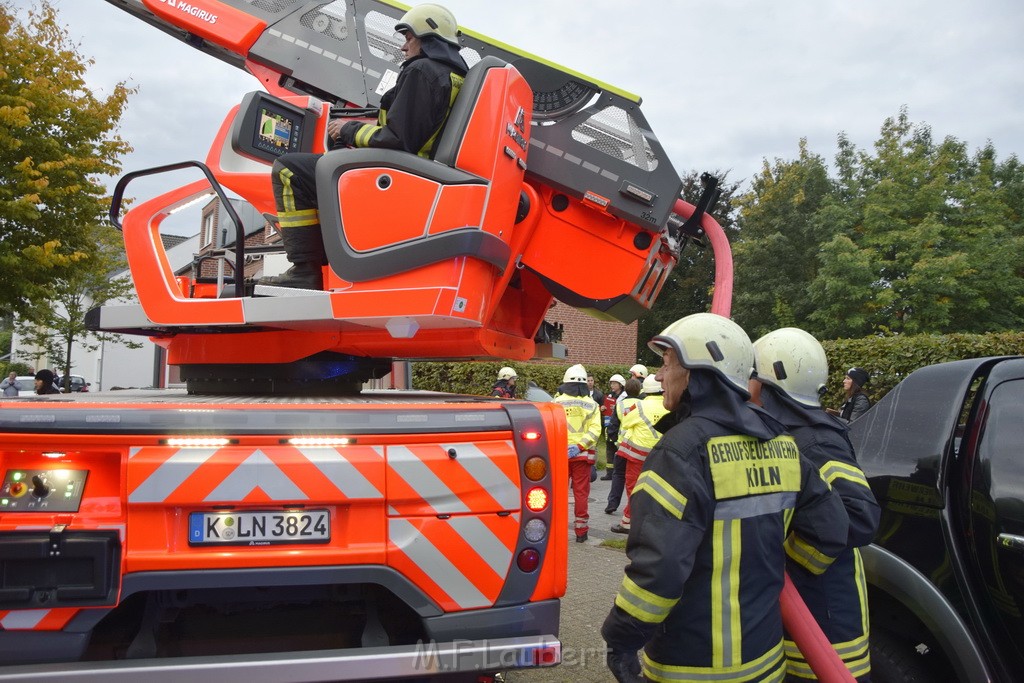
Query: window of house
{"x":207,"y":231}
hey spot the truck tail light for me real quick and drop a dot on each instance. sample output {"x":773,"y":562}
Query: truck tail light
{"x":535,"y":468}
{"x":319,"y":441}
{"x":535,"y":530}
{"x":528,"y":560}
{"x":198,"y":442}
{"x":536,"y":499}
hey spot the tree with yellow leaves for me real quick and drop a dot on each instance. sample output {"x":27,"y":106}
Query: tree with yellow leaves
{"x":57,"y":143}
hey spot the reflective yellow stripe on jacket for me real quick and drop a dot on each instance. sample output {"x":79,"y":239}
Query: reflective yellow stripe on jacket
{"x":855,"y":653}
{"x":637,"y":432}
{"x":768,"y":667}
{"x":457,"y":82}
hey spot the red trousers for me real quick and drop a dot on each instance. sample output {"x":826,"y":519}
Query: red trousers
{"x":579,"y":475}
{"x":633,"y":468}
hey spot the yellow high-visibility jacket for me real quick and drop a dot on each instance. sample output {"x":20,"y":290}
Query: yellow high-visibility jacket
{"x":637,"y":433}
{"x":583,"y":419}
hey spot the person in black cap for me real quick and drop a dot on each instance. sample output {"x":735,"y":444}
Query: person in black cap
{"x":857,"y":401}
{"x":44,"y":383}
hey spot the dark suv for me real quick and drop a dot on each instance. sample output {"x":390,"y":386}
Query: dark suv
{"x":942,"y":452}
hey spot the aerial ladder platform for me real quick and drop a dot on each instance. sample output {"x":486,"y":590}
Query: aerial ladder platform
{"x":540,"y":173}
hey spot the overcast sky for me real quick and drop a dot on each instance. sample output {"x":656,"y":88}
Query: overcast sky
{"x":725,"y":83}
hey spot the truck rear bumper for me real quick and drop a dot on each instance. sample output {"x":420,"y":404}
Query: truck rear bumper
{"x":376,"y":663}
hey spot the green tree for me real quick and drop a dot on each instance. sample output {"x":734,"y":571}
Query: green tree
{"x":57,"y":141}
{"x":690,"y":287}
{"x":6,"y":334}
{"x":928,"y":240}
{"x":783,"y":221}
{"x":1008,"y":177}
{"x":82,"y":282}
{"x":916,"y":236}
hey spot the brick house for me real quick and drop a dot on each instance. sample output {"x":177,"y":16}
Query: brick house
{"x":590,"y":340}
{"x":214,"y":223}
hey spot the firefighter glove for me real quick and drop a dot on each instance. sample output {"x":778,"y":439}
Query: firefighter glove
{"x":347,"y":135}
{"x":574,"y":451}
{"x":625,"y":666}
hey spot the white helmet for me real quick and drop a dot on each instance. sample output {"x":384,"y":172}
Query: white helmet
{"x":706,"y":341}
{"x":507,"y":373}
{"x":793,"y":362}
{"x":576,"y":373}
{"x":430,"y":20}
{"x":651,"y":385}
{"x":618,"y":378}
{"x":640,"y":371}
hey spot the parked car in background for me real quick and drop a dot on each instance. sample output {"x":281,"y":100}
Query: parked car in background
{"x":536,"y":394}
{"x":26,"y":384}
{"x":78,"y":383}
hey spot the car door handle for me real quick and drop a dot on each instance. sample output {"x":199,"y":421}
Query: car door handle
{"x":1012,"y":542}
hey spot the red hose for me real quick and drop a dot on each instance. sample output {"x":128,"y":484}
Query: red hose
{"x":797,"y":619}
{"x":807,"y":635}
{"x":721,"y":300}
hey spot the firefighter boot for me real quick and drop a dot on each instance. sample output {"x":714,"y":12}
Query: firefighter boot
{"x":305,"y":249}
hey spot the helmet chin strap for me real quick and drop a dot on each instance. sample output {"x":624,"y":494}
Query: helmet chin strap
{"x":715,"y":399}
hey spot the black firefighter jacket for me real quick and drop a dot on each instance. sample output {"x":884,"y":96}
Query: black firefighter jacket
{"x":413,"y":112}
{"x":714,"y":514}
{"x":838,"y":597}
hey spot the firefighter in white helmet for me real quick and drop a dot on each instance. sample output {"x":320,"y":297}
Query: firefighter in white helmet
{"x":505,"y":387}
{"x":630,"y":395}
{"x":616,"y":383}
{"x":790,"y":374}
{"x":718,"y":502}
{"x":583,"y":423}
{"x":638,"y":372}
{"x":411,"y":117}
{"x":637,"y":436}
{"x":618,"y":476}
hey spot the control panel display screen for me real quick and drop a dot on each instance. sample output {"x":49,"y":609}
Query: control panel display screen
{"x":276,"y":132}
{"x":267,"y":127}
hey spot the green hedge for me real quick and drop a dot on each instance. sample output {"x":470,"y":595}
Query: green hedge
{"x":478,"y":378}
{"x":888,"y":359}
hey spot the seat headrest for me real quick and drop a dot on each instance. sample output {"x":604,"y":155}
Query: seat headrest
{"x":458,"y":120}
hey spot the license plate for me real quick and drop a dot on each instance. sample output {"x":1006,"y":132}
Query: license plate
{"x":259,"y":527}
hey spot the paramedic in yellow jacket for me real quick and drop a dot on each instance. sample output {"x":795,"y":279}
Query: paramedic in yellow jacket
{"x":719,"y":501}
{"x":638,"y":436}
{"x":583,"y":420}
